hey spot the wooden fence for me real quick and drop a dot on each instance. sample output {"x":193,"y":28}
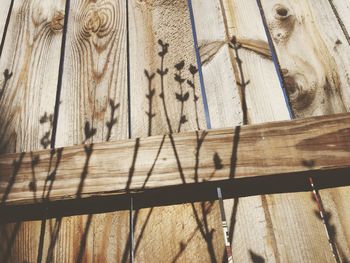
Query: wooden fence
{"x":89,"y":71}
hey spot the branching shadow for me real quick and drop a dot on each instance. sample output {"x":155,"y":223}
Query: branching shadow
{"x":16,"y":164}
{"x":193,"y":70}
{"x":45,"y":141}
{"x":89,"y":133}
{"x":150,"y":96}
{"x":242,"y":83}
{"x":162,"y":72}
{"x":203,"y":227}
{"x":181,"y":97}
{"x":48,"y":185}
{"x":113,"y":120}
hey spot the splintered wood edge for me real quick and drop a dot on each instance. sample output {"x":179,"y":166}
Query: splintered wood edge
{"x":121,"y":167}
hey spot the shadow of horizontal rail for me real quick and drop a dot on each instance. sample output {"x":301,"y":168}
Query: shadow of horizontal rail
{"x":180,"y":194}
{"x":249,"y":160}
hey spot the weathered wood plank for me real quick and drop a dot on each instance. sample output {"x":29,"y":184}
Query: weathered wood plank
{"x":161,"y":42}
{"x":314,"y":57}
{"x":253,"y":66}
{"x":4,"y":12}
{"x":300,"y":212}
{"x":224,"y":101}
{"x":94,"y":108}
{"x":283,"y":148}
{"x":29,"y":74}
{"x":341,"y":10}
{"x":303,"y":29}
{"x":222,"y":73}
{"x":94,"y":82}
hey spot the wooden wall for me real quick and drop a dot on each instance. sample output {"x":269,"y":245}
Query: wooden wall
{"x":82,"y":71}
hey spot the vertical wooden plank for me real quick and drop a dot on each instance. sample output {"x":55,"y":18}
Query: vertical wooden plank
{"x":314,"y":57}
{"x":341,"y":9}
{"x":94,"y":73}
{"x":224,"y":99}
{"x":94,"y":108}
{"x":29,"y":74}
{"x":166,"y":98}
{"x":217,"y":22}
{"x":4,"y":12}
{"x":256,"y":231}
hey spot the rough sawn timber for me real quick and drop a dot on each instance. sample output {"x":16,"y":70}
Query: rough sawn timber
{"x":29,"y":69}
{"x":312,"y":46}
{"x":282,"y":147}
{"x":161,"y":45}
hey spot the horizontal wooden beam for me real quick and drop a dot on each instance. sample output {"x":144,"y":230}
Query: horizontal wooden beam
{"x":312,"y":144}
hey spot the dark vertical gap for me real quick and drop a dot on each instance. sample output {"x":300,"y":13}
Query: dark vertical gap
{"x":131,"y":211}
{"x":55,"y":121}
{"x":128,"y":67}
{"x":335,"y":11}
{"x":275,"y":59}
{"x":131,"y":222}
{"x":6,"y":26}
{"x":199,"y":65}
{"x":60,"y":74}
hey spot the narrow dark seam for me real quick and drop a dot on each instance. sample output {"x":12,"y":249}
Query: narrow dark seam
{"x":335,"y":11}
{"x":275,"y":60}
{"x":60,"y":76}
{"x":6,"y":26}
{"x":131,"y":212}
{"x":128,"y":68}
{"x":199,"y":65}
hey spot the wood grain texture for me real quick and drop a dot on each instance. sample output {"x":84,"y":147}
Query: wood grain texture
{"x":304,"y":29}
{"x":341,"y":10}
{"x":166,"y":98}
{"x":247,"y":61}
{"x":94,"y":108}
{"x":28,"y":81}
{"x":4,"y":11}
{"x":94,"y":88}
{"x":253,"y":68}
{"x":29,"y":74}
{"x":283,"y":148}
{"x":313,"y":53}
{"x":224,"y":99}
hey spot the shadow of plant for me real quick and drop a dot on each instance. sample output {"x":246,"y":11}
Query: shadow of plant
{"x":7,"y":77}
{"x":242,"y":83}
{"x":45,"y":141}
{"x":113,"y":120}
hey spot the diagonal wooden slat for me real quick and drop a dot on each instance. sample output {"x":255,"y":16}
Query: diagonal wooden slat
{"x":258,"y":150}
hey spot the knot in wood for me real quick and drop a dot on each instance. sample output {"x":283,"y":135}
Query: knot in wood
{"x":57,"y":21}
{"x":281,"y":12}
{"x":93,"y":22}
{"x":300,"y":91}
